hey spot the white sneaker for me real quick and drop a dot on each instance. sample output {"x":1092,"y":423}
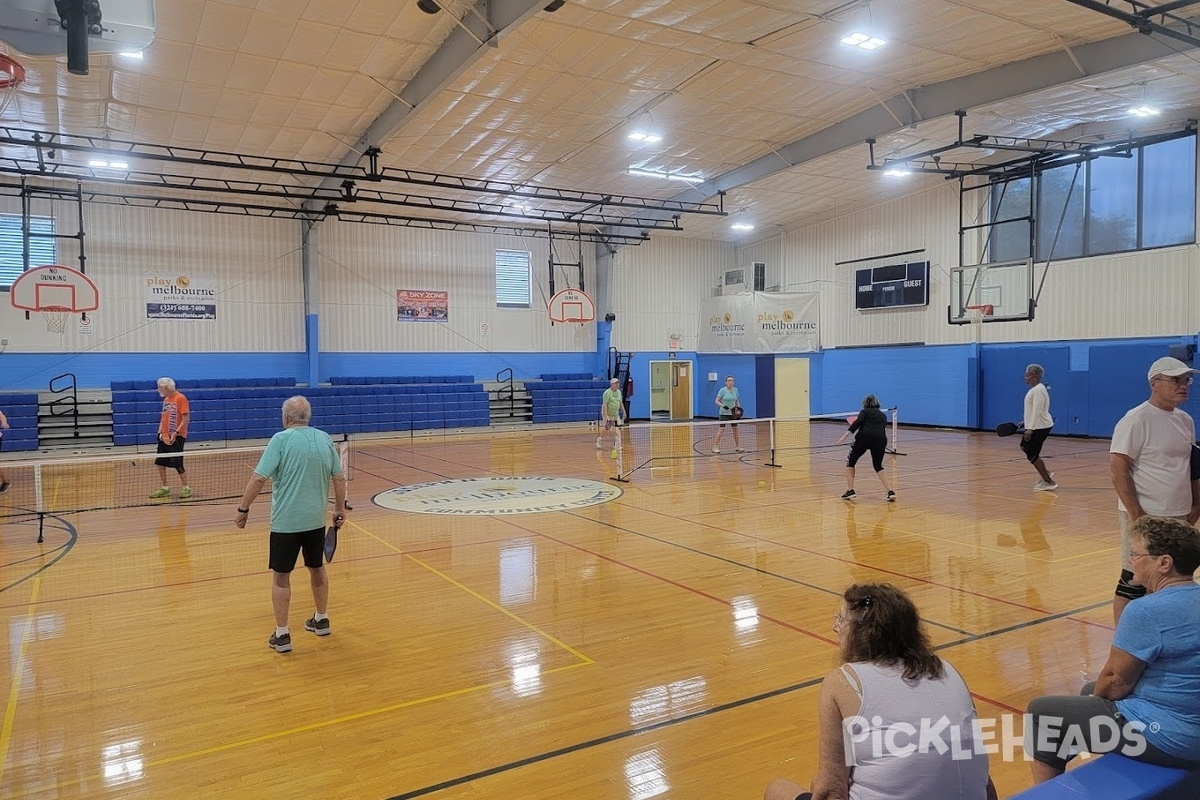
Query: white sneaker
{"x":1045,"y":486}
{"x":716,"y":451}
{"x":598,"y":444}
{"x":738,"y":450}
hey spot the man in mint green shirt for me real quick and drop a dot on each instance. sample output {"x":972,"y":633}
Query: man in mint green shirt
{"x":300,"y":461}
{"x":612,"y":411}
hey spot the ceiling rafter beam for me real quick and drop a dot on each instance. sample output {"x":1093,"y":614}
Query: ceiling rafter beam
{"x":245,"y":209}
{"x":490,"y":21}
{"x":1141,"y":21}
{"x":42,"y":142}
{"x":942,"y":99}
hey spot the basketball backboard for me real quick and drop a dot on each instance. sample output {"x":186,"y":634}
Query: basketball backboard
{"x":55,"y":291}
{"x":572,"y":305}
{"x":1004,"y":292}
{"x":35,"y":28}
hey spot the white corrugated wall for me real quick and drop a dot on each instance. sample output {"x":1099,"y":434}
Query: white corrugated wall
{"x":361,"y":267}
{"x":657,"y":288}
{"x":254,"y":264}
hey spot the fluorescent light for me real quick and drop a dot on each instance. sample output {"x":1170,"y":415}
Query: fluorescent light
{"x":863,"y":40}
{"x":1143,"y":111}
{"x":108,"y":164}
{"x":897,"y":172}
{"x":638,"y":136}
{"x":118,"y":165}
{"x":136,"y":54}
{"x":742,"y":226}
{"x":95,"y":163}
{"x":671,"y":176}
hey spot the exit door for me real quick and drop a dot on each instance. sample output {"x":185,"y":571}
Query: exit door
{"x":681,"y":390}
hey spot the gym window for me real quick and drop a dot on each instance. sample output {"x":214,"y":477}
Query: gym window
{"x":43,"y":248}
{"x":514,"y":279}
{"x":1116,"y":205}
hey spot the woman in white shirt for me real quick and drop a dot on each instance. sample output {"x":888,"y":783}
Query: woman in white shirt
{"x":876,"y":712}
{"x":1038,"y":423}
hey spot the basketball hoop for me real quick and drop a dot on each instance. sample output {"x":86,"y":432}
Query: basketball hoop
{"x":976,"y":315}
{"x":56,"y":292}
{"x":56,"y":318}
{"x":12,"y":75}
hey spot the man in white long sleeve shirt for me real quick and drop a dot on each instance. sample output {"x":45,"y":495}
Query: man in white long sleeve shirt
{"x":1038,"y":423}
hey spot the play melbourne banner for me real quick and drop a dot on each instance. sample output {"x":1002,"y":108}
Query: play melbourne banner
{"x":180,"y":296}
{"x":760,"y":322}
{"x":413,"y":305}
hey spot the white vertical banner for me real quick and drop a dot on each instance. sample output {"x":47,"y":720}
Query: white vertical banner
{"x":760,"y":322}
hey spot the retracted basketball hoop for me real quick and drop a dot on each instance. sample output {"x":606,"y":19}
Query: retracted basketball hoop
{"x":56,"y":292}
{"x":12,"y":75}
{"x":571,"y":306}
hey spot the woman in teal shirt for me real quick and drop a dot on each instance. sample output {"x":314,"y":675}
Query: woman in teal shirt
{"x":727,"y":400}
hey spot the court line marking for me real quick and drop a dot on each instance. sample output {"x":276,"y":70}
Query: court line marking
{"x":631,"y":732}
{"x":679,"y":585}
{"x":486,"y":601}
{"x":73,"y":537}
{"x":884,"y":570}
{"x":18,"y":668}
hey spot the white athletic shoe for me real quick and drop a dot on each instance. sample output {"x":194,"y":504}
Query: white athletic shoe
{"x":716,"y":451}
{"x":1045,"y":486}
{"x":598,"y":443}
{"x":739,"y":450}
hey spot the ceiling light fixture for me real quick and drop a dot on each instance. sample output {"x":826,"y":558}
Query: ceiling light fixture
{"x":897,"y":172}
{"x":134,"y":54}
{"x":863,"y":40}
{"x":1143,"y":111}
{"x":742,"y":226}
{"x":671,"y":176}
{"x":650,"y":138}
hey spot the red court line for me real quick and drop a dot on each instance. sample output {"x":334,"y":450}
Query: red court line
{"x":239,"y":576}
{"x":878,"y":569}
{"x":676,"y":584}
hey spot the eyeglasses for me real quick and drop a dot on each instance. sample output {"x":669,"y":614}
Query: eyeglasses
{"x":1178,"y":380}
{"x":1141,"y":555}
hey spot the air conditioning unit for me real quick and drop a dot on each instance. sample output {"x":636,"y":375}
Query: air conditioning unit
{"x":752,"y":277}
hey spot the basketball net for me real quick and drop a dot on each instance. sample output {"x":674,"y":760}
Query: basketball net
{"x":56,"y":318}
{"x":12,"y":74}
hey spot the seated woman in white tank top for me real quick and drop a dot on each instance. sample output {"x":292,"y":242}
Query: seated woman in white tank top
{"x":873,"y":708}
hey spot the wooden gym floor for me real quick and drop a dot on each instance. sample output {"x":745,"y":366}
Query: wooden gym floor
{"x":667,"y":644}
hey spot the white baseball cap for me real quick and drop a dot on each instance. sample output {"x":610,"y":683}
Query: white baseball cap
{"x":1171,"y":367}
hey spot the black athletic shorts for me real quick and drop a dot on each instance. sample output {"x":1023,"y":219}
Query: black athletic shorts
{"x":171,"y":462}
{"x":726,"y":416}
{"x":286,"y":546}
{"x":1033,"y":445}
{"x":875,"y":445}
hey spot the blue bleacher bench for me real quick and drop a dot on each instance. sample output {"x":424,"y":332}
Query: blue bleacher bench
{"x":1115,"y":777}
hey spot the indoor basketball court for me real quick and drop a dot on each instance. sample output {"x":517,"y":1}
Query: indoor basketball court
{"x":451,"y":227}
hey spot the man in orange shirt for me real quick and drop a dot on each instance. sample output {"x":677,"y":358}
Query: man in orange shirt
{"x":172,"y":433}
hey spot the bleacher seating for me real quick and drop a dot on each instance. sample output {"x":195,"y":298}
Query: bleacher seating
{"x":375,"y":380}
{"x":1115,"y":777}
{"x":21,"y":410}
{"x":250,"y":408}
{"x":568,"y":397}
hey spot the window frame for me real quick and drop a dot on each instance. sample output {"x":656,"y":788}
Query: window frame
{"x":42,"y":249}
{"x":995,"y":200}
{"x":505,"y":261}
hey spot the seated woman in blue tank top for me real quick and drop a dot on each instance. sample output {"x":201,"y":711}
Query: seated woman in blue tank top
{"x":895,"y":722}
{"x":1144,"y":703}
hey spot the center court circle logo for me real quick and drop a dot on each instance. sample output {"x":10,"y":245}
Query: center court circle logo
{"x":484,"y":496}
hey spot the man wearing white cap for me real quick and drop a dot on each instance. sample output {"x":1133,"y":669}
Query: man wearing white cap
{"x":1150,"y":463}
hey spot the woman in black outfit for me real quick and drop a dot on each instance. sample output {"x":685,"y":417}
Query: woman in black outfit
{"x":870,"y":434}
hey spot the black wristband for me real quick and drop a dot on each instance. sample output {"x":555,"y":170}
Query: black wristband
{"x":243,"y":511}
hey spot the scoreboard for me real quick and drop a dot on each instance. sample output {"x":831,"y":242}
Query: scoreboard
{"x":892,"y":286}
